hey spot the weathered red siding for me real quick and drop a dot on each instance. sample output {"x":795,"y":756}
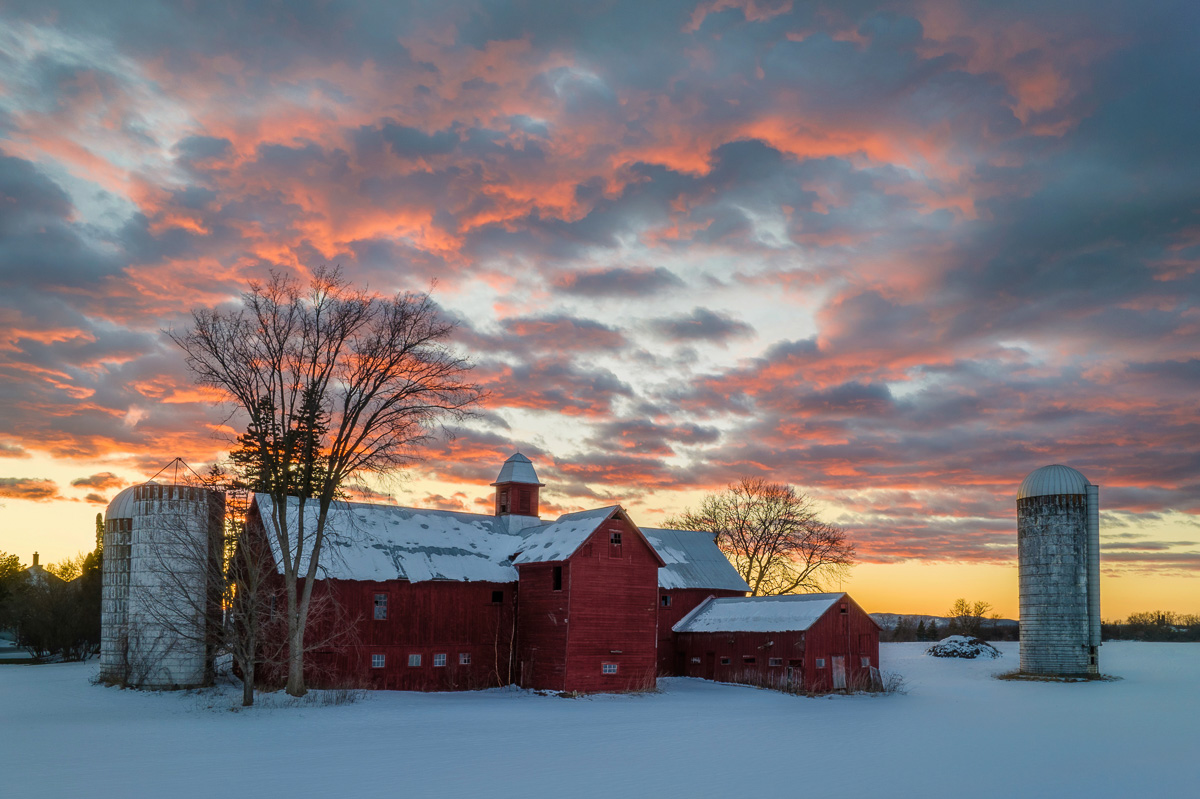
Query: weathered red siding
{"x":605,"y":613}
{"x":851,"y":635}
{"x":682,"y":602}
{"x":542,"y":616}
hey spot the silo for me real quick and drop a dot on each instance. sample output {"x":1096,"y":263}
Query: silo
{"x":114,"y":601}
{"x":162,"y":593}
{"x":1058,"y":549}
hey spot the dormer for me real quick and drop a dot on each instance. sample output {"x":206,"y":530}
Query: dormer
{"x":517,"y":488}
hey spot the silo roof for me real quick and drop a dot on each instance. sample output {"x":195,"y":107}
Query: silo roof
{"x":1053,"y":480}
{"x":121,"y":506}
{"x":518,"y":469}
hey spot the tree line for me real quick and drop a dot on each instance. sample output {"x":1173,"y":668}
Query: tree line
{"x":1153,"y":625}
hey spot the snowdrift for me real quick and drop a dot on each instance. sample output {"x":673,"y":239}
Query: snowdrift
{"x":963,"y":646}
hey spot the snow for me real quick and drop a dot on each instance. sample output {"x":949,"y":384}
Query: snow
{"x":692,"y":561}
{"x":757,"y":614}
{"x":559,"y":540}
{"x":963,"y":646}
{"x":956,"y":726}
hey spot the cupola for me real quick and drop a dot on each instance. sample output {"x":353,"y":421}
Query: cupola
{"x":517,"y":488}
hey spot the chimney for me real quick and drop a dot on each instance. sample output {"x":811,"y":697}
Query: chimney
{"x":34,"y":558}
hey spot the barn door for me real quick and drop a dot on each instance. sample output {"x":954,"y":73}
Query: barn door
{"x":710,"y":665}
{"x":839,"y":673}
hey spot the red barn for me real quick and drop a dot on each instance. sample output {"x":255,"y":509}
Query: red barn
{"x":444,"y":600}
{"x":801,"y":642}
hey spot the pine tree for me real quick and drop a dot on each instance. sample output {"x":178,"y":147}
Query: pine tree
{"x":921,"y":631}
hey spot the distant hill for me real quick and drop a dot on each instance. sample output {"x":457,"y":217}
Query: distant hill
{"x":888,"y":621}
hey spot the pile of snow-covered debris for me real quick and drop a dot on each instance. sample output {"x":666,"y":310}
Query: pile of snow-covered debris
{"x":963,"y":646}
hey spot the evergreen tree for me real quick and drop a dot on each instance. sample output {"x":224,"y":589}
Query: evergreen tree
{"x":932,"y":631}
{"x":921,"y":631}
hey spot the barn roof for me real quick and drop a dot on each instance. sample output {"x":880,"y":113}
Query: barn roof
{"x":757,"y":614}
{"x":518,"y":469}
{"x":692,"y":561}
{"x":386,"y":542}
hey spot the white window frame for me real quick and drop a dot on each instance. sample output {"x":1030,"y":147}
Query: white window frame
{"x":414,"y":661}
{"x":774,"y":661}
{"x":378,"y":661}
{"x":820,"y":663}
{"x":439,"y":659}
{"x":464,"y":658}
{"x":609,"y":668}
{"x":379,"y":607}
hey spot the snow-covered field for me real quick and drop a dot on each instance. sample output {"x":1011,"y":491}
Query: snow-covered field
{"x":956,"y":732}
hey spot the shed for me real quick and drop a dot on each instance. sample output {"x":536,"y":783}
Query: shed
{"x":797,"y":642}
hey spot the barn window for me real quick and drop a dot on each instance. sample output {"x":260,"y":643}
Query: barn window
{"x":749,"y":659}
{"x":724,"y":661}
{"x":695,"y":660}
{"x":608,"y":668}
{"x":414,"y":661}
{"x":614,"y":539}
{"x":381,"y":606}
{"x":378,"y":661}
{"x":558,"y":578}
{"x":665,"y":601}
{"x":439,"y":660}
{"x":464,"y":658}
{"x":866,"y":662}
{"x":497,"y":597}
{"x":774,"y":661}
{"x":844,"y":609}
{"x":504,"y":500}
{"x":820,"y":663}
{"x":523,"y":501}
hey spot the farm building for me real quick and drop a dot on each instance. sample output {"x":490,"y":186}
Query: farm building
{"x":801,"y":642}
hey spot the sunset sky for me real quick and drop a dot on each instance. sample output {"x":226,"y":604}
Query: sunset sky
{"x":896,"y":254}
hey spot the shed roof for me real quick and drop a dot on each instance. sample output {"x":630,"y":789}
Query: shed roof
{"x":692,"y":561}
{"x":559,"y":539}
{"x":757,"y":614}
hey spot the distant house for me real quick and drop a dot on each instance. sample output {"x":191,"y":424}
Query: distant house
{"x":802,"y":642}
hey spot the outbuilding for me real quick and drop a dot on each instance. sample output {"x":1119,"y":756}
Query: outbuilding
{"x":797,"y":642}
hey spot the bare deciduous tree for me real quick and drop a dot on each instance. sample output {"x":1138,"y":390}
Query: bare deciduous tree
{"x":966,"y":618}
{"x":366,"y":377}
{"x":771,"y":534}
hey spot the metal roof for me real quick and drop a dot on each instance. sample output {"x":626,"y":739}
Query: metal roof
{"x":757,"y":614}
{"x":1053,"y":480}
{"x":121,"y":506}
{"x":518,"y":469}
{"x":693,"y":561}
{"x":559,"y":539}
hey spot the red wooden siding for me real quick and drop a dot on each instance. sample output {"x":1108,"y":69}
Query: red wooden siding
{"x":683,"y":601}
{"x":606,"y":613}
{"x":851,"y":635}
{"x":426,"y":619}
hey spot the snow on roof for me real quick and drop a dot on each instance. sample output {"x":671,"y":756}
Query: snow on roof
{"x":517,"y":469}
{"x":757,"y":614}
{"x":693,"y":561}
{"x":385,"y":542}
{"x":559,"y":540}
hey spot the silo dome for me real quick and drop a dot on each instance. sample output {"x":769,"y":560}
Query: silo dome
{"x":121,"y":506}
{"x":1052,"y":481}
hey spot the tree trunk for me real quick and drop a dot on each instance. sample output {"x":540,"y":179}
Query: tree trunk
{"x":248,"y":683}
{"x":295,"y":681}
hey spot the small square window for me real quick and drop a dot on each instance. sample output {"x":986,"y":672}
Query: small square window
{"x":381,"y":602}
{"x":439,"y":660}
{"x":820,"y":663}
{"x":695,"y":660}
{"x":497,"y":597}
{"x":724,"y":661}
{"x":464,"y":658}
{"x":665,"y":601}
{"x":774,"y":661}
{"x":614,"y":539}
{"x":378,"y":661}
{"x":414,"y":661}
{"x":608,"y":668}
{"x":748,"y":659}
{"x":866,"y":662}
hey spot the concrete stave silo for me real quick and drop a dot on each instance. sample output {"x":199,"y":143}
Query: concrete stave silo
{"x":1058,"y":544}
{"x":161,"y":594}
